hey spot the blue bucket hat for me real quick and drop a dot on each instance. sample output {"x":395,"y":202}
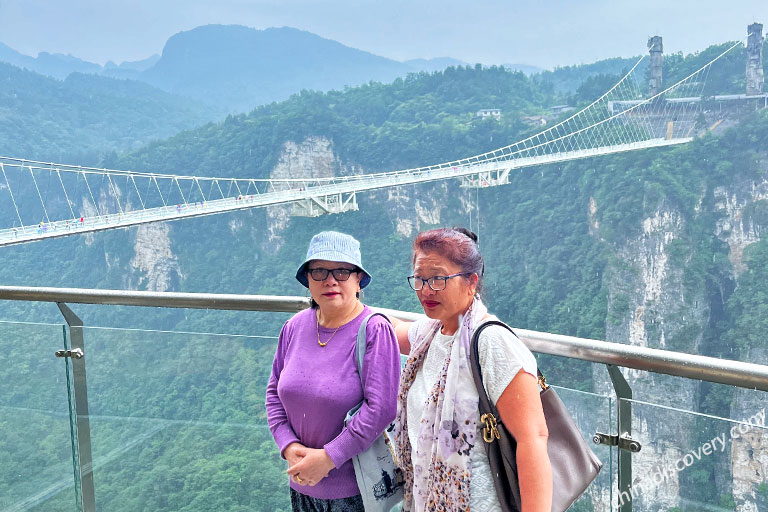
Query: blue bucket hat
{"x":333,"y":246}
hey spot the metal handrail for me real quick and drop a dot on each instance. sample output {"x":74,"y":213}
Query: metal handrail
{"x":225,"y":301}
{"x":710,"y":369}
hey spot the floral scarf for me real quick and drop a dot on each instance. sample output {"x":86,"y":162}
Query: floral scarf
{"x":437,"y":472}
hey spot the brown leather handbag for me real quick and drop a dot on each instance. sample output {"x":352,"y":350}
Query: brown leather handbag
{"x":574,"y":465}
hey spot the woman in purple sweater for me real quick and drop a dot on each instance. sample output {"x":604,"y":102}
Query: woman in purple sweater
{"x":315,"y":382}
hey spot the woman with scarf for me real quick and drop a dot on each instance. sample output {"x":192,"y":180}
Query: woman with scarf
{"x":438,"y":435}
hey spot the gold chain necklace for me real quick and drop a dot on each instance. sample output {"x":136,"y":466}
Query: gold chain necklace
{"x":317,"y":325}
{"x":329,"y":339}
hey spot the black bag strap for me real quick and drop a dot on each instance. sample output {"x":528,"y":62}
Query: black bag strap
{"x":477,"y":372}
{"x":499,"y":444}
{"x":484,"y":403}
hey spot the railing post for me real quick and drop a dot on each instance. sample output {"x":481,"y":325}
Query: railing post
{"x":624,"y":406}
{"x":82,"y":458}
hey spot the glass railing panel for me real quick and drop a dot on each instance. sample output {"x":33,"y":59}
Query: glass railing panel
{"x":694,"y":461}
{"x":36,"y":470}
{"x":178,"y":422}
{"x":593,"y":413}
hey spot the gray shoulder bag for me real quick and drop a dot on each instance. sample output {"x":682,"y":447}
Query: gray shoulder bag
{"x":574,"y":465}
{"x":379,"y":479}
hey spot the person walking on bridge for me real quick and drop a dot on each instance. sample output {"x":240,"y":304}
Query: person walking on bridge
{"x":315,"y":381}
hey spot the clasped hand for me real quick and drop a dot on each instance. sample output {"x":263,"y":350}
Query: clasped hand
{"x":307,"y":466}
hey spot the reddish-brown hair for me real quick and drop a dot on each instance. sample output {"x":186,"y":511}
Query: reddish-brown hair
{"x":457,"y":245}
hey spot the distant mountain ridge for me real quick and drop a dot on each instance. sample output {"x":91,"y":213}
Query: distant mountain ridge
{"x":129,"y":69}
{"x":56,"y":65}
{"x":84,"y":116}
{"x":436,"y":64}
{"x":238,"y":68}
{"x":525,"y":68}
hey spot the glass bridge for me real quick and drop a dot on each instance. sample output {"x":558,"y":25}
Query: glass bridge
{"x":175,"y":421}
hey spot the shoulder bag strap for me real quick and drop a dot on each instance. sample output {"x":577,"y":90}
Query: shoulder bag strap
{"x":361,"y":339}
{"x":484,"y":404}
{"x":360,"y":352}
{"x":477,"y":373}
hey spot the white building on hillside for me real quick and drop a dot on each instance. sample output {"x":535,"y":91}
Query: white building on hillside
{"x":489,"y":112}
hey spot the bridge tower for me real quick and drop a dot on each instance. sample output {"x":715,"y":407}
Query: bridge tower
{"x":656,"y":50}
{"x":755,"y":77}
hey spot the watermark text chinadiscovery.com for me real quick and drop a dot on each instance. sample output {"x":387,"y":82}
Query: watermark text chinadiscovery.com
{"x":715,"y":445}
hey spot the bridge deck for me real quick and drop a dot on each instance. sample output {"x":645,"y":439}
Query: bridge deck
{"x":340,"y":185}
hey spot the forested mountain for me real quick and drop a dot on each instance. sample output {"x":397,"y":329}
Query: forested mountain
{"x":60,"y":66}
{"x":237,"y":68}
{"x":83,"y":117}
{"x":569,"y":78}
{"x":51,"y":64}
{"x":421,"y":119}
{"x":436,"y":64}
{"x":596,"y":78}
{"x":129,"y":69}
{"x":525,"y":68}
{"x":658,"y":248}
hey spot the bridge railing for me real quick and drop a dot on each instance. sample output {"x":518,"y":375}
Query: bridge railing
{"x":175,"y":420}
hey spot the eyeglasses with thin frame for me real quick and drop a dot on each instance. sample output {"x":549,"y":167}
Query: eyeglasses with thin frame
{"x":435,"y":283}
{"x":339,"y":274}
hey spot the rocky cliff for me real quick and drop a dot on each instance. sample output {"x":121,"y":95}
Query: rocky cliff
{"x":655,"y":298}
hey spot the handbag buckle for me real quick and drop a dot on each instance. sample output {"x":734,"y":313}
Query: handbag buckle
{"x":490,"y":431}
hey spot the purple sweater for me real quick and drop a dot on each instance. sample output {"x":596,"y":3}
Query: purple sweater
{"x":312,"y":388}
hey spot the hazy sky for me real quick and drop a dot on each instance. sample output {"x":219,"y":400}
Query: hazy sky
{"x":544,"y":33}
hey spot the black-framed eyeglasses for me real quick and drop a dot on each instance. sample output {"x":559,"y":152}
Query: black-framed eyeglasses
{"x":339,"y":274}
{"x":436,"y":283}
